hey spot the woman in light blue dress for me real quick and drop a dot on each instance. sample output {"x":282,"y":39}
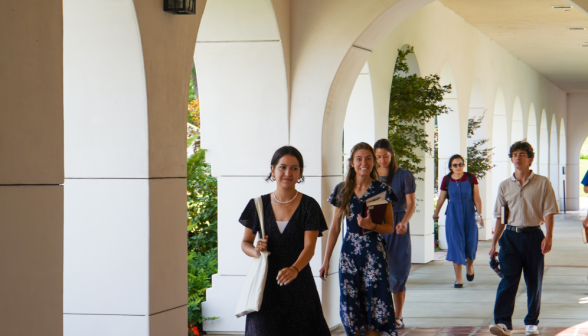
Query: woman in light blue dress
{"x":398,"y":247}
{"x":461,"y":189}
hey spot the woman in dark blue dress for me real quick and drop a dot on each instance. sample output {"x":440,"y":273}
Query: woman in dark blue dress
{"x":398,"y":245}
{"x":291,"y":304}
{"x":460,"y":226}
{"x":366,"y":306}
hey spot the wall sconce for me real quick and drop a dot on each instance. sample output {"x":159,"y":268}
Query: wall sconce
{"x":180,"y":6}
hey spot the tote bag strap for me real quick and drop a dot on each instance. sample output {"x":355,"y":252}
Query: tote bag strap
{"x":259,"y":206}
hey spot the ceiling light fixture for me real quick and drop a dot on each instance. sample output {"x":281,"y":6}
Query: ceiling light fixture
{"x":576,"y":28}
{"x":583,"y":45}
{"x":562,"y":7}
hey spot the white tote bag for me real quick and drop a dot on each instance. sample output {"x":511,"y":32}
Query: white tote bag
{"x":252,"y":291}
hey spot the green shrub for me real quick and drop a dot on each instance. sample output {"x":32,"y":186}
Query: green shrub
{"x":202,"y":209}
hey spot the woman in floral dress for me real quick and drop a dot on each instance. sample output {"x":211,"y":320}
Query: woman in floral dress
{"x":366,"y":306}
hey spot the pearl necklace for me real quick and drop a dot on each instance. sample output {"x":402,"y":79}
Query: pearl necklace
{"x":277,"y":200}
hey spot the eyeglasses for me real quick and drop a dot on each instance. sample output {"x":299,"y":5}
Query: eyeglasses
{"x":455,"y":165}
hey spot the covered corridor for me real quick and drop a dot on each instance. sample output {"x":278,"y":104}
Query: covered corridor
{"x":92,"y":141}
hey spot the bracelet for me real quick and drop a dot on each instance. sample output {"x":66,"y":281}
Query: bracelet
{"x":375,"y":227}
{"x":295,"y":268}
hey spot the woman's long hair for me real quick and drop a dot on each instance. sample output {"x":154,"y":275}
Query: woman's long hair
{"x":347,"y":191}
{"x":393,"y":166}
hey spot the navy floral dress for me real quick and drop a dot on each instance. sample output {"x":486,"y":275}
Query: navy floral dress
{"x":366,"y":298}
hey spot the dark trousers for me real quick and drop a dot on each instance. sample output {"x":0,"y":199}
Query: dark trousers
{"x":519,"y":252}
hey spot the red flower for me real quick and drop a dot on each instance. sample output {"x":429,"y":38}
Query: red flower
{"x":195,"y":331}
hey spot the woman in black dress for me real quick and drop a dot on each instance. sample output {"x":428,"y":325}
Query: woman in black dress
{"x":293,"y":222}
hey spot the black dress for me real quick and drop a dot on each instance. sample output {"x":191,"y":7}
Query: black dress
{"x":294,"y":309}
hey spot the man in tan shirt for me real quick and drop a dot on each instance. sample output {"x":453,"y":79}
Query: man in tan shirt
{"x":531,"y":201}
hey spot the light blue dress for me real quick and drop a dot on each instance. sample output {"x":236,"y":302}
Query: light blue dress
{"x":460,"y":227}
{"x":398,"y":247}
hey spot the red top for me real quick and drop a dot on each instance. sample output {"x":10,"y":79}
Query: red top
{"x":462,"y":179}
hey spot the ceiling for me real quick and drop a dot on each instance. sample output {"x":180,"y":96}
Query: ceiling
{"x":536,"y":34}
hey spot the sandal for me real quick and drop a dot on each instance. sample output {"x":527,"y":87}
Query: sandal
{"x":399,"y":323}
{"x":470,"y":277}
{"x":456,"y":285}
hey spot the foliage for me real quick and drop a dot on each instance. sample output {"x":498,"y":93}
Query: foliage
{"x":583,"y":156}
{"x":202,"y":234}
{"x":202,"y":205}
{"x":479,"y":158}
{"x":200,"y":270}
{"x":193,"y":113}
{"x":414,"y":101}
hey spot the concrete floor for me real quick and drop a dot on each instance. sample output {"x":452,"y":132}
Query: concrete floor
{"x":434,"y":308}
{"x":432,"y":303}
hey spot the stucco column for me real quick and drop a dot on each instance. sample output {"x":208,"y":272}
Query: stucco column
{"x":31,"y":169}
{"x":125,"y":165}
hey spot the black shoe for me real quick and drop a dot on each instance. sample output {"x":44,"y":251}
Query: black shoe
{"x":470,"y":277}
{"x":456,"y":285}
{"x":399,"y":323}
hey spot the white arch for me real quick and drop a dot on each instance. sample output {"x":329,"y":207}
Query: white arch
{"x":500,"y":143}
{"x":448,"y":136}
{"x":532,"y":134}
{"x":359,"y":119}
{"x":563,"y":159}
{"x":543,"y":150}
{"x":449,"y":124}
{"x":517,"y":121}
{"x":554,"y":156}
{"x":478,"y":109}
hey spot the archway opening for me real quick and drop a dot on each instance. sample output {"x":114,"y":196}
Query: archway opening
{"x":562,"y":162}
{"x":554,"y":156}
{"x":517,"y":132}
{"x":532,"y":134}
{"x":583,"y":163}
{"x":448,"y":138}
{"x":500,"y":143}
{"x":543,"y":149}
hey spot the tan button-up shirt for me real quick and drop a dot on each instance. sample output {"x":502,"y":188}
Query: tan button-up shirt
{"x":528,"y":205}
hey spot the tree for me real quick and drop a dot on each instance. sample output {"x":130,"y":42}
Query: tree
{"x":414,"y":101}
{"x":479,"y":158}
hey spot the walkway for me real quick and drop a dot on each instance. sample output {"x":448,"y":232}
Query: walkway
{"x":434,"y":307}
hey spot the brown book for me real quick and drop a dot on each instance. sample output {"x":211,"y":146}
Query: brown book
{"x":585,"y":235}
{"x":377,"y":209}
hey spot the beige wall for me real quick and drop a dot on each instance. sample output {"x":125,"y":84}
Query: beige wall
{"x":31,"y":92}
{"x":31,"y":168}
{"x":577,"y":131}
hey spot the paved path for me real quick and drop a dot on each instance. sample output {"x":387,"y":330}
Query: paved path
{"x":434,"y":308}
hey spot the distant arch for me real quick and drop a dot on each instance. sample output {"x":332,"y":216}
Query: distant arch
{"x":563,"y":158}
{"x":554,"y":156}
{"x":543,"y":146}
{"x":517,"y":132}
{"x":500,"y":143}
{"x":532,"y":133}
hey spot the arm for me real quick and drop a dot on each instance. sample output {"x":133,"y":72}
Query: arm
{"x":585,"y":222}
{"x":331,"y":242}
{"x":286,"y":275}
{"x":586,"y":189}
{"x":499,"y":228}
{"x":385,"y":228}
{"x":547,"y":241}
{"x":410,"y":208}
{"x":478,"y":202}
{"x":440,"y":201}
{"x":247,"y":244}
